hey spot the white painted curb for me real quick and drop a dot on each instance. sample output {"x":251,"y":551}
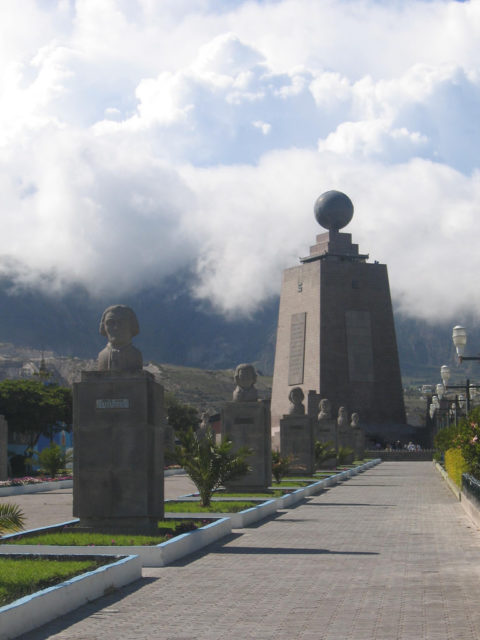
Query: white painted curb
{"x":38,"y":608}
{"x":36,"y":488}
{"x":158,"y":556}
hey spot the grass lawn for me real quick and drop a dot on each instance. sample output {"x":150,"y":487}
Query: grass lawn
{"x":291,"y":483}
{"x":275,"y":493}
{"x":218,"y":506}
{"x":22,"y":576}
{"x":67,"y":536}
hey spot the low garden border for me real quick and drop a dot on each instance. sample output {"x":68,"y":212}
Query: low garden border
{"x":150,"y":556}
{"x":36,"y":609}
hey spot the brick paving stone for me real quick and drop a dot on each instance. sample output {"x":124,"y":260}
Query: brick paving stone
{"x":387,"y":555}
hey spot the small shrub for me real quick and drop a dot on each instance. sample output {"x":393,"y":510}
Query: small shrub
{"x":280,"y":465}
{"x":12,"y":518}
{"x":455,"y":465}
{"x":209,"y":464}
{"x":343,"y":454}
{"x":52,"y":459}
{"x":324,"y":451}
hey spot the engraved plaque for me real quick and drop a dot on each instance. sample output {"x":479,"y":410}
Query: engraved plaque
{"x":359,"y":346}
{"x":112,"y":403}
{"x":297,"y":348}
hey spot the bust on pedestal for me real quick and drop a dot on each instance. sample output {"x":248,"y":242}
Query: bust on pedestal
{"x":118,"y":435}
{"x":296,"y":435}
{"x":246,"y":422}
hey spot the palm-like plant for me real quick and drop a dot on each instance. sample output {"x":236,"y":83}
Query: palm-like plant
{"x":209,"y":464}
{"x":12,"y":518}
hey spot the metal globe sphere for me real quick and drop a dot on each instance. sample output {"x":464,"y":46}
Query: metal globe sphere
{"x":333,"y":210}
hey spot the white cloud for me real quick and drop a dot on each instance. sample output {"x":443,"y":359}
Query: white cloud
{"x":135,"y":136}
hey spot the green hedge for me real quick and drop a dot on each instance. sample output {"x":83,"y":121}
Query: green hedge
{"x":455,"y":465}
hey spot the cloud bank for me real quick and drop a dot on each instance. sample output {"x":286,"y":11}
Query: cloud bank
{"x":138,"y":137}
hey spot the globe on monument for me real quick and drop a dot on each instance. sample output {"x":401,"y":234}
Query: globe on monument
{"x":333,"y":210}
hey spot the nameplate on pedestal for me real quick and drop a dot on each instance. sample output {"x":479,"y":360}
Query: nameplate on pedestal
{"x":243,"y":421}
{"x":112,"y":403}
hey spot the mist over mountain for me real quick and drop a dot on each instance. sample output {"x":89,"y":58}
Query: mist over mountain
{"x":178,"y":329}
{"x":174,"y":327}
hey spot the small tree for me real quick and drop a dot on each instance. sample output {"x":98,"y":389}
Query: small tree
{"x":12,"y":518}
{"x":52,"y":459}
{"x":34,"y":408}
{"x":280,"y":465}
{"x":180,"y":416}
{"x":209,"y":464}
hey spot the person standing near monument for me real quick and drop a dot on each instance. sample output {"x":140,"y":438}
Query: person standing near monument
{"x":119,"y":324}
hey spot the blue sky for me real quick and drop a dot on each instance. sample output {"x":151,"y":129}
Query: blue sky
{"x":137,"y":136}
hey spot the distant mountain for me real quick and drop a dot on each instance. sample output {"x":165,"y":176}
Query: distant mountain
{"x":174,"y":327}
{"x":180,"y":330}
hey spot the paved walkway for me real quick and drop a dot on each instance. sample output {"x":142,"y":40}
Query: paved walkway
{"x":387,"y":555}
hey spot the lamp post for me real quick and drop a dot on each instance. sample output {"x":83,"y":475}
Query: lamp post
{"x":445,"y":374}
{"x":459,"y":337}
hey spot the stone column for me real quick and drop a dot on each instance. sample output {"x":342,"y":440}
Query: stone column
{"x":3,"y":448}
{"x":118,"y":443}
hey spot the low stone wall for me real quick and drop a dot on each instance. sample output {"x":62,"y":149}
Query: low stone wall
{"x":401,"y":455}
{"x":468,"y":495}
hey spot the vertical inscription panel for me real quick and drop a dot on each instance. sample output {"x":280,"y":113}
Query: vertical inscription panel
{"x":359,"y":345}
{"x":297,"y":348}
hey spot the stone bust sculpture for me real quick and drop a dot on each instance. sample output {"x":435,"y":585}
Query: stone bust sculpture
{"x":342,"y":420}
{"x":296,"y":397}
{"x":325,"y":409}
{"x":119,"y":324}
{"x":355,"y":420}
{"x":245,"y":378}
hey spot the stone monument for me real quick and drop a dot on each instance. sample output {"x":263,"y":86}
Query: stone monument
{"x":296,"y":435}
{"x":118,"y":435}
{"x":336,"y":333}
{"x":3,"y":448}
{"x":246,"y":422}
{"x":324,"y":426}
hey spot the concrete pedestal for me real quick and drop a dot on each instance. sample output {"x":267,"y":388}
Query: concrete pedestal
{"x":345,"y":438}
{"x":296,"y":441}
{"x":359,"y":443}
{"x":3,"y":448}
{"x":118,"y":445}
{"x":326,"y":431}
{"x":247,"y":424}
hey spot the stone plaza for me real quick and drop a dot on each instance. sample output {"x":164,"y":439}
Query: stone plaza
{"x":387,"y":555}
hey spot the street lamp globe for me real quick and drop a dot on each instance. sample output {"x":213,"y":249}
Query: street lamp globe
{"x":459,"y":337}
{"x":445,"y":374}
